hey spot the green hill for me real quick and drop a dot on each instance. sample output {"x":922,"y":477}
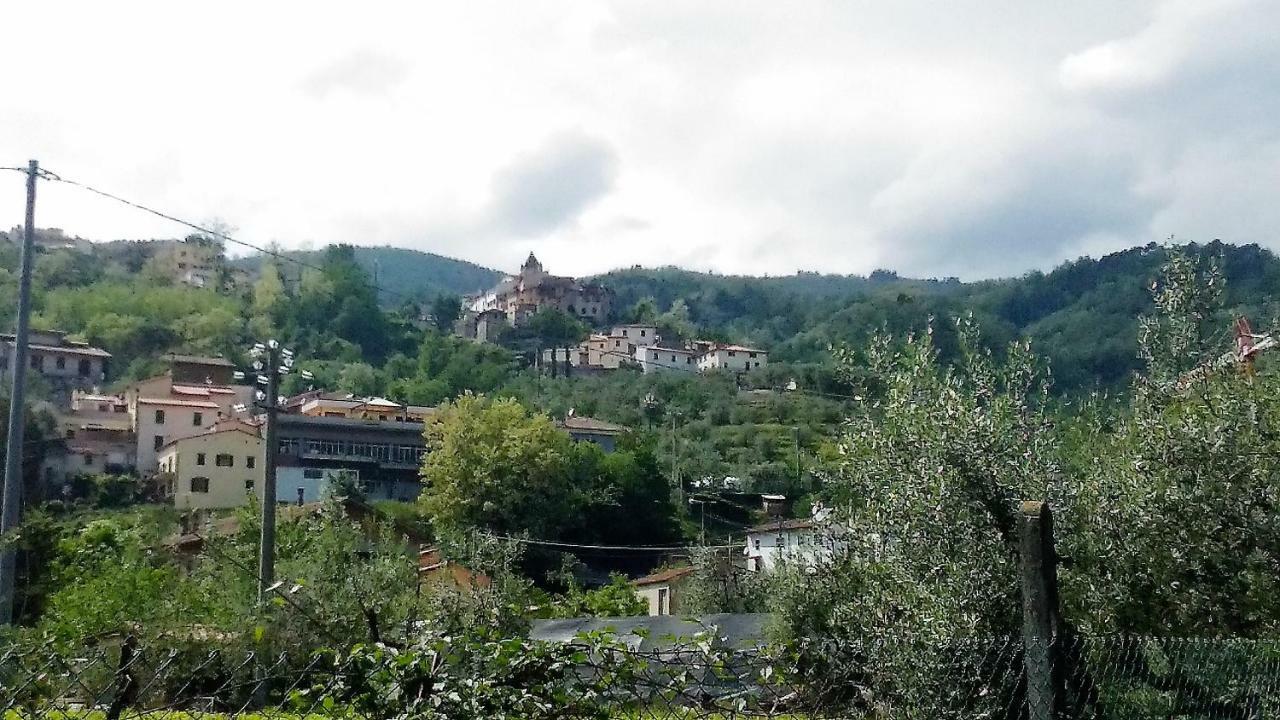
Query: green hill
{"x":404,"y":274}
{"x":1083,"y":315}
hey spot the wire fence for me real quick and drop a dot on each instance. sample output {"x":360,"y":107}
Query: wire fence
{"x":602,"y":677}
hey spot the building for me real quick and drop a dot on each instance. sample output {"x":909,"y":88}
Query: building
{"x":735,"y":358}
{"x":665,"y":359}
{"x":639,"y":335}
{"x":196,"y":261}
{"x":217,"y":469}
{"x":802,"y":541}
{"x":520,"y":296}
{"x":319,"y":455}
{"x":199,"y":369}
{"x":589,"y":429}
{"x":97,"y":437}
{"x":66,"y":365}
{"x":164,"y":409}
{"x":661,"y":591}
{"x":345,"y":405}
{"x":434,"y":569}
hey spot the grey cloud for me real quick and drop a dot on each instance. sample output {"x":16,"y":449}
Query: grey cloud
{"x":363,"y":72}
{"x":553,"y":185}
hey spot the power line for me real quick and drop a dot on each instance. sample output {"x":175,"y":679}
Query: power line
{"x":632,"y":548}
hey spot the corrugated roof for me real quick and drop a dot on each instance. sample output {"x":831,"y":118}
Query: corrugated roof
{"x":90,"y":351}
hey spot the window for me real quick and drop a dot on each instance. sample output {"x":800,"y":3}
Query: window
{"x":642,"y":333}
{"x":223,"y":460}
{"x":102,"y":407}
{"x":37,"y":362}
{"x":731,"y":354}
{"x":655,"y":356}
{"x":197,"y":419}
{"x":199,"y":458}
{"x":312,"y":473}
{"x":88,"y":459}
{"x":85,"y":368}
{"x":664,"y":601}
{"x":755,"y":543}
{"x":71,"y":434}
{"x":751,"y":355}
{"x":250,"y":461}
{"x":248,"y":486}
{"x":60,"y":363}
{"x":159,"y":441}
{"x":199,"y":484}
{"x":159,"y":417}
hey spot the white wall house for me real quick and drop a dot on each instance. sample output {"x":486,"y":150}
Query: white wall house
{"x":638,"y":335}
{"x":663,"y":359}
{"x":160,"y":421}
{"x":788,"y":541}
{"x":736,"y":358}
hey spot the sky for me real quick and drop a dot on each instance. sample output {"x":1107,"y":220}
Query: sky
{"x":965,"y":138}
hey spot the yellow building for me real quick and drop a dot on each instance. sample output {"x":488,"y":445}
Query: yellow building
{"x":214,"y":470}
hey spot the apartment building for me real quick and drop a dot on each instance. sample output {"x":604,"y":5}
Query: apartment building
{"x":318,"y":454}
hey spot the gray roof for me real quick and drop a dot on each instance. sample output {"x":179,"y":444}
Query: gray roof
{"x":737,"y":631}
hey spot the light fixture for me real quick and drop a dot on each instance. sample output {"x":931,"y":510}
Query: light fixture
{"x":262,"y":380}
{"x":260,"y":395}
{"x":257,"y":365}
{"x":306,"y":375}
{"x":273,"y":344}
{"x":237,"y":375}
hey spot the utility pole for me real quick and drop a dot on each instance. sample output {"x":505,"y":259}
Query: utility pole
{"x":797,"y":429}
{"x":270,"y":402}
{"x":11,"y":512}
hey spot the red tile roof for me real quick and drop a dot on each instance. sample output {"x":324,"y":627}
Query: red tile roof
{"x":663,"y":576}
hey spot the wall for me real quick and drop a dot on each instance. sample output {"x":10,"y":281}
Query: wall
{"x":226,"y":482}
{"x":178,"y":423}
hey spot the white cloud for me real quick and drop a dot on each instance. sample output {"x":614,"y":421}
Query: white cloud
{"x":961,"y":138}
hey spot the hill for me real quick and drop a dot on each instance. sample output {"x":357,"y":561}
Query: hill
{"x":404,"y":274}
{"x":1083,"y":315}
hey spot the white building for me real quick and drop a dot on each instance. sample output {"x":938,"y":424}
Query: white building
{"x":160,"y":421}
{"x":663,"y":359}
{"x":639,"y":335}
{"x":803,"y":542}
{"x":735,"y":358}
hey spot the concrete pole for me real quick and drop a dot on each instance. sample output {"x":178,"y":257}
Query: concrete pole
{"x":11,"y":514}
{"x":267,"y":540}
{"x":1039,"y":576}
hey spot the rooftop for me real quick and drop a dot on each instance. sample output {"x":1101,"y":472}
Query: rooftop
{"x":197,"y":360}
{"x":663,"y":576}
{"x":784,"y":525}
{"x":590,"y":424}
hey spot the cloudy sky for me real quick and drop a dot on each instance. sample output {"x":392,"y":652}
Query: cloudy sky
{"x":970,"y":138}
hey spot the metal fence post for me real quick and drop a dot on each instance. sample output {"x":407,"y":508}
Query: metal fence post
{"x":1039,"y":606}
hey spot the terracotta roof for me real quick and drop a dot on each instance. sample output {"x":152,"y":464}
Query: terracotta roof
{"x":782,"y":525}
{"x":590,"y":424}
{"x":201,"y":390}
{"x":204,"y":435}
{"x":663,"y":576}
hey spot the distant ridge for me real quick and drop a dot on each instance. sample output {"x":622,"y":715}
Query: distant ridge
{"x":404,"y":273}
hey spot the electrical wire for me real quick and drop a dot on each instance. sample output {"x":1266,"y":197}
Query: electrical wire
{"x":630,"y":548}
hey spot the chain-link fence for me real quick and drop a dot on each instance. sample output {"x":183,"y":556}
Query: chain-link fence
{"x":600,"y":677}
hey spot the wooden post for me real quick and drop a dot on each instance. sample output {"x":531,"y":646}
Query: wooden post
{"x":1039,"y":606}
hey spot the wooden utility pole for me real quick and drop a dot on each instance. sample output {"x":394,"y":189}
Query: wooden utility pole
{"x":11,"y":512}
{"x":1039,"y":573}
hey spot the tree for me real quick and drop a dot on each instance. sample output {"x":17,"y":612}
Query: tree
{"x":445,"y":311}
{"x":493,"y":465}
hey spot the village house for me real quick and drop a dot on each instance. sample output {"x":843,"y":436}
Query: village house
{"x":64,"y":364}
{"x":97,"y":436}
{"x":801,"y":541}
{"x":665,"y":359}
{"x":589,"y":429}
{"x":176,"y":405}
{"x":195,"y":261}
{"x":661,"y":590}
{"x":735,"y":358}
{"x":217,"y":469}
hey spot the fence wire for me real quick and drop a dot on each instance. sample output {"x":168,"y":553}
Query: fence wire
{"x":1096,"y":677}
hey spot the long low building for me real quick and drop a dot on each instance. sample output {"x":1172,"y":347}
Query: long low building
{"x":316,"y":454}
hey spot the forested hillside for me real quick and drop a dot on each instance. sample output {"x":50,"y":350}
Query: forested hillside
{"x":1082,"y":315}
{"x":404,"y":274}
